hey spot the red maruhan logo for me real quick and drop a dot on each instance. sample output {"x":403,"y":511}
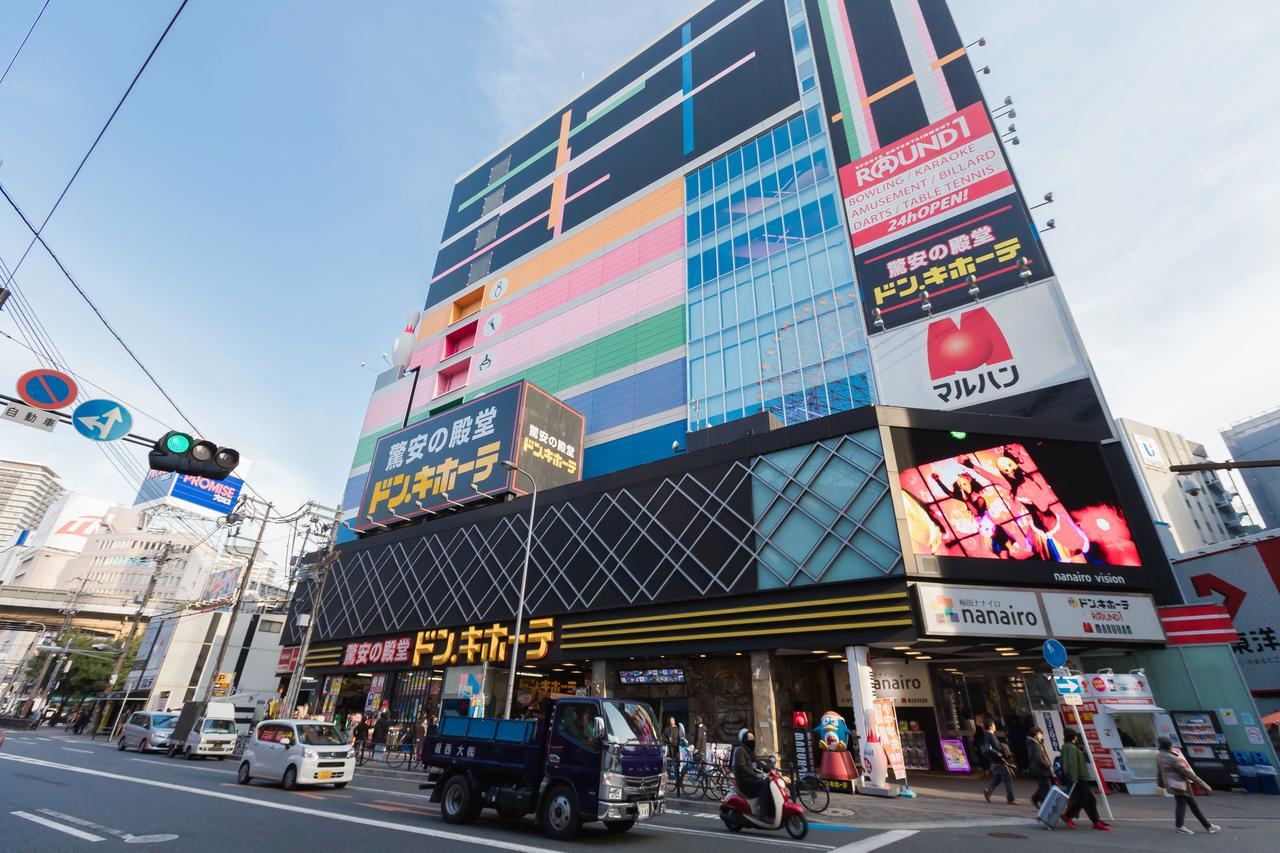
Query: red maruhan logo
{"x":976,"y":342}
{"x":85,"y":525}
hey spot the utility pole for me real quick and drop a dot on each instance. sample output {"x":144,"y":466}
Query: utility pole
{"x":70,"y":609}
{"x":161,"y":561}
{"x":295,"y":677}
{"x":235,"y":606}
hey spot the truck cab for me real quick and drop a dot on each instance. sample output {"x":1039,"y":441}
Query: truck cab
{"x":581,"y":760}
{"x":204,"y":729}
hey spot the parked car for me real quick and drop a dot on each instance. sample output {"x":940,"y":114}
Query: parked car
{"x":147,"y":730}
{"x":297,"y":752}
{"x":204,"y":729}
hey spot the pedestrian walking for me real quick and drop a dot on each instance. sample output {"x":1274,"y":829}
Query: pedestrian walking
{"x":1000,"y":763}
{"x":1038,"y":766}
{"x":360,"y":733}
{"x":1175,"y":775}
{"x":1075,"y":769}
{"x":671,"y":739}
{"x":699,"y":740}
{"x":380,"y":728}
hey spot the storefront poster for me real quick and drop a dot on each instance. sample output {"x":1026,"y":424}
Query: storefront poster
{"x":1050,"y":722}
{"x":905,"y":187}
{"x":1009,"y":344}
{"x":1099,"y":616}
{"x":954,"y":756}
{"x":1255,"y":735}
{"x":886,"y":724}
{"x":988,"y":242}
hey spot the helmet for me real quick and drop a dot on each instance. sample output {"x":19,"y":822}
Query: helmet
{"x":742,"y":735}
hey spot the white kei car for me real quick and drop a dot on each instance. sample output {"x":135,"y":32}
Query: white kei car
{"x":297,"y":752}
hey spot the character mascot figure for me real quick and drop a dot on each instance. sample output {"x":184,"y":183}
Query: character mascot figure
{"x":833,"y":738}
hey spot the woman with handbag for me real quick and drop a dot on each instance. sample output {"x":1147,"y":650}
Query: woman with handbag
{"x":1175,"y":775}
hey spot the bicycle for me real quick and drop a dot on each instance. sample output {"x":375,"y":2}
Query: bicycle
{"x":398,"y":756}
{"x":692,"y":781}
{"x":364,"y":751}
{"x":808,"y":790}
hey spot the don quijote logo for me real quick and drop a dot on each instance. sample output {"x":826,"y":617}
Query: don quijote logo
{"x":972,"y":357}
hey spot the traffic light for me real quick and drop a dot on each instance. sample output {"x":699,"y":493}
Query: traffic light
{"x":177,"y":451}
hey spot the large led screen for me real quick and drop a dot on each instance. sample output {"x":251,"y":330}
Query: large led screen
{"x":1047,"y":506}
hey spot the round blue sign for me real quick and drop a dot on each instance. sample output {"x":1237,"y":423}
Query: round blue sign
{"x":102,"y":420}
{"x":1055,"y":654}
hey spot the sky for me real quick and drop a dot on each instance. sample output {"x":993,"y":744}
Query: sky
{"x":266,"y":206}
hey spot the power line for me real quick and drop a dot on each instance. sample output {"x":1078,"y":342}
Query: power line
{"x":96,"y":140}
{"x":14,"y":59}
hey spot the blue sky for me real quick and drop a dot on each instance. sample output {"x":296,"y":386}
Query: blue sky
{"x":283,"y":167}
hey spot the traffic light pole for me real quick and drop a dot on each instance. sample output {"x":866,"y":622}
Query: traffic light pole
{"x":161,"y":561}
{"x":235,"y":607}
{"x":299,"y":670}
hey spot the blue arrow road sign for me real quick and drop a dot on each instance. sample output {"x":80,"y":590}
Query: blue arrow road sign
{"x":102,"y":420}
{"x":1069,"y":685}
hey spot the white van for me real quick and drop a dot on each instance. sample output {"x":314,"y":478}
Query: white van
{"x":211,"y":731}
{"x":297,"y":752}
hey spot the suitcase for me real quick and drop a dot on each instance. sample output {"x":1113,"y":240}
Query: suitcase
{"x":1053,"y":807}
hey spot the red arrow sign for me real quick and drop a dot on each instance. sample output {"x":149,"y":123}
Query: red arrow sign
{"x":1207,"y":584}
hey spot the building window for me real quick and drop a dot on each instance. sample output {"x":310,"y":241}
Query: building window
{"x":465,"y":306}
{"x":460,"y":339}
{"x":773,"y":317}
{"x":452,"y":377}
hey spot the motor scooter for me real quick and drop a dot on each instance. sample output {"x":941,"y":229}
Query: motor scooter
{"x":740,"y":813}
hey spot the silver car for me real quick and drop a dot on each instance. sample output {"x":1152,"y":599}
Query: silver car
{"x":147,"y":730}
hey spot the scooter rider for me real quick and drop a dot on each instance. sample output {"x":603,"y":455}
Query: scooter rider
{"x":748,"y":781}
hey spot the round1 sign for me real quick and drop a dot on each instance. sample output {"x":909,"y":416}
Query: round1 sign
{"x":46,"y":389}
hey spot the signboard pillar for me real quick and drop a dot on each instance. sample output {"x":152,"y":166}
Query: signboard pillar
{"x":864,"y":694}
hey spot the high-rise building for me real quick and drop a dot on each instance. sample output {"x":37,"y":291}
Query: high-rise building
{"x":1199,"y":507}
{"x":1254,"y":439}
{"x":785,"y":207}
{"x":27,"y":490}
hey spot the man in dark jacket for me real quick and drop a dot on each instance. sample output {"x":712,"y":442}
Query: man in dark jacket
{"x":699,"y":740}
{"x":999,"y":759}
{"x":671,"y":740}
{"x":746,"y":778}
{"x":1038,"y":766}
{"x":380,"y":729}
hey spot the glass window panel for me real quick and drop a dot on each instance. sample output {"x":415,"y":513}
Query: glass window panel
{"x":691,"y":186}
{"x":720,"y":169}
{"x":749,"y":156}
{"x":709,"y":264}
{"x":697,"y":378}
{"x":764,"y":293}
{"x":725,"y":262}
{"x":800,"y":36}
{"x":722,"y":212}
{"x":811,"y":219}
{"x":732,"y":369}
{"x":729,"y":307}
{"x":735,"y":163}
{"x":715,"y":373}
{"x":708,"y":217}
{"x":711,"y":316}
{"x":813,"y":121}
{"x":820,"y":272}
{"x":807,"y":84}
{"x":704,"y":179}
{"x":765,"y":144}
{"x":695,"y":271}
{"x":797,"y":130}
{"x":750,"y":362}
{"x":801,"y":288}
{"x":841,"y":263}
{"x":830,"y":213}
{"x":691,"y":227}
{"x":791,"y":227}
{"x":821,"y":166}
{"x":781,"y":141}
{"x":741,"y":251}
{"x":738,"y":205}
{"x":746,"y":297}
{"x":769,"y":185}
{"x":695,"y":319}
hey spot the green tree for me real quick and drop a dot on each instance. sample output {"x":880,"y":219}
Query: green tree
{"x":88,"y":674}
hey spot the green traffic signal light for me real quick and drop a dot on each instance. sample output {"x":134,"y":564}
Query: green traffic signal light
{"x":178,"y":443}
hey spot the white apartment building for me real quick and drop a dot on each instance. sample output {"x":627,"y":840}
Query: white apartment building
{"x":1199,"y":507}
{"x":27,"y":490}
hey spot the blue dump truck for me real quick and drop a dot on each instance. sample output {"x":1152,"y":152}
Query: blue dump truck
{"x":580,"y":760}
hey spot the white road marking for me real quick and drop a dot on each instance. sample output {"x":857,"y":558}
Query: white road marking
{"x":69,"y":830}
{"x":73,"y":749}
{"x":126,"y":837}
{"x":394,"y":793}
{"x":45,"y":739}
{"x":479,"y":841}
{"x":188,"y":765}
{"x":755,"y":839}
{"x":884,"y":839}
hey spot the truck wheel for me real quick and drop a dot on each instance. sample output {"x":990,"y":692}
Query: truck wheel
{"x":457,"y":800}
{"x":560,"y":819}
{"x":290,"y":780}
{"x":619,"y":826}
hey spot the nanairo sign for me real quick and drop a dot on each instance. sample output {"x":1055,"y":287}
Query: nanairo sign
{"x":903,"y":682}
{"x":949,"y":610}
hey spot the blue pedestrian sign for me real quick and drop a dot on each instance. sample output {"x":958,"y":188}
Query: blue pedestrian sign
{"x":1055,"y":654}
{"x":102,"y":420}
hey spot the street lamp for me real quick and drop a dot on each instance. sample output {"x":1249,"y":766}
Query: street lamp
{"x":524,"y":578}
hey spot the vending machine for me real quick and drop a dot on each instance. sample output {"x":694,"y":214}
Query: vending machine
{"x":1205,"y":747}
